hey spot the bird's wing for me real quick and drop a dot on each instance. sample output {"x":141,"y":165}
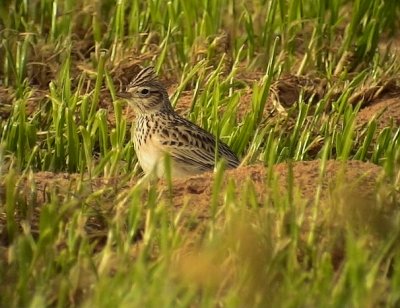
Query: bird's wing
{"x":189,"y":144}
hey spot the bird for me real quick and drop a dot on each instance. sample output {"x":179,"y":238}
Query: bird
{"x":160,"y":131}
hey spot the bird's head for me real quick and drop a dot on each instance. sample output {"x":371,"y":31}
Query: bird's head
{"x":146,"y":94}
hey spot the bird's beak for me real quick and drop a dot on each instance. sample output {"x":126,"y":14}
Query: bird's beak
{"x":123,"y":95}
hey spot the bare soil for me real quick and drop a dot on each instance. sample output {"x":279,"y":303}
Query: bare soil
{"x":348,"y":195}
{"x":352,"y":199}
{"x":386,"y":112}
{"x":353,"y":203}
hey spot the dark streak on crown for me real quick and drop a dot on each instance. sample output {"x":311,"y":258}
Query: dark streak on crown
{"x":146,"y":75}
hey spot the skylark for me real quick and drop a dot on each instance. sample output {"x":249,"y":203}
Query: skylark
{"x":160,"y":131}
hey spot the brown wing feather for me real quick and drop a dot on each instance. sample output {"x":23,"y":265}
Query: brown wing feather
{"x":188,"y":143}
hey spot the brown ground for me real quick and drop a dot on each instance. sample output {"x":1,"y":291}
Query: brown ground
{"x":385,"y":111}
{"x":355,"y":202}
{"x":375,"y":97}
{"x":348,"y":197}
{"x":379,"y":100}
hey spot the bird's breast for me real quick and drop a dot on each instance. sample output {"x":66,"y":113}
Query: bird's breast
{"x":147,"y":152}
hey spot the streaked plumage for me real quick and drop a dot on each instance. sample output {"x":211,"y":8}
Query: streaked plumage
{"x":160,"y":130}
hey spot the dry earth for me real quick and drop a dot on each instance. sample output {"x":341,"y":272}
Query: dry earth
{"x":348,"y":196}
{"x":355,"y":201}
{"x":379,"y":101}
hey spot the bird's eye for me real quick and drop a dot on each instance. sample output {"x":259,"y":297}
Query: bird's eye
{"x":144,"y":91}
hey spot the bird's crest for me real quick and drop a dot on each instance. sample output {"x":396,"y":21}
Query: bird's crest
{"x":146,"y":75}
